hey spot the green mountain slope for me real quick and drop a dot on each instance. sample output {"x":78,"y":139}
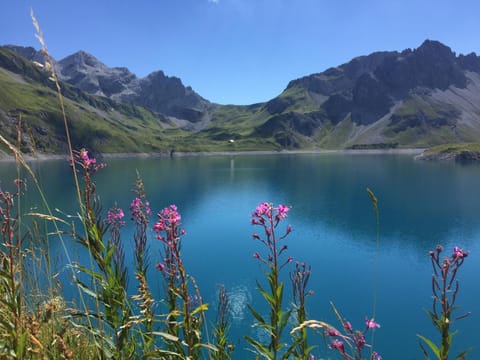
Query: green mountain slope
{"x":95,"y":122}
{"x":414,"y":98}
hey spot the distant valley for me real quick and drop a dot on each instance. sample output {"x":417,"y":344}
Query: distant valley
{"x":414,"y":98}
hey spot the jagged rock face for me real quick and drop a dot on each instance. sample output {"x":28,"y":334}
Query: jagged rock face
{"x":416,"y":93}
{"x":368,"y":86}
{"x":432,"y":65}
{"x":370,"y":100}
{"x":167,"y":95}
{"x":88,"y":74}
{"x":470,"y":62}
{"x":340,"y":79}
{"x":156,"y":92}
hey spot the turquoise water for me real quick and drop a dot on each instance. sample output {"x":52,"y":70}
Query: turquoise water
{"x":334,"y":230}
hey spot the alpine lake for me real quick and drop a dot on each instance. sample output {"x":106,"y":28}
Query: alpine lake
{"x":334,"y":230}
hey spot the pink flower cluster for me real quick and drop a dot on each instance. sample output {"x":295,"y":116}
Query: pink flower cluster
{"x":89,"y":164}
{"x":455,"y":260}
{"x":115,"y":216}
{"x":267,"y":211}
{"x":459,"y":253}
{"x":371,"y":324}
{"x":169,"y":219}
{"x":167,"y":229}
{"x":269,"y":217}
{"x":353,"y":338}
{"x":139,"y":209}
{"x":86,"y":160}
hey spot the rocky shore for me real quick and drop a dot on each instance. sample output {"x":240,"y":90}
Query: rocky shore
{"x":464,"y":155}
{"x":452,"y":152}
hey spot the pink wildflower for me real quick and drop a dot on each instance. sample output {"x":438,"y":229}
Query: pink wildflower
{"x":371,"y":324}
{"x":263,"y":209}
{"x":282,"y":212}
{"x":459,"y":253}
{"x":338,"y":345}
{"x":168,"y":221}
{"x":88,"y":164}
{"x":115,"y":216}
{"x":347,"y":326}
{"x":136,"y":207}
{"x":171,"y":214}
{"x":333,"y":332}
{"x":360,"y":342}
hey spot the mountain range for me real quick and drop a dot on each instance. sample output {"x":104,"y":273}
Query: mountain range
{"x":411,"y":98}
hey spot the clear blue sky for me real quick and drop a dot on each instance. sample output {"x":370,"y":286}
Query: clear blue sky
{"x":238,"y":51}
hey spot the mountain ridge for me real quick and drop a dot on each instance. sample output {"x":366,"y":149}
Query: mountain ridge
{"x":410,"y":98}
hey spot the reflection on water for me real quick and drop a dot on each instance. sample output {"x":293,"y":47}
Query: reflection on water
{"x":239,"y":297}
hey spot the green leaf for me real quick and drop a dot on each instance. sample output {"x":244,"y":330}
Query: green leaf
{"x":283,"y":317}
{"x":202,"y":307}
{"x":374,"y":200}
{"x":266,"y":295}
{"x":256,"y":315}
{"x":86,"y":290}
{"x":207,"y":346}
{"x":154,"y":354}
{"x":88,"y":271}
{"x":462,"y":355}
{"x":431,"y":345}
{"x":279,"y":292}
{"x":165,"y":335}
{"x":109,"y":255}
{"x":261,"y":349}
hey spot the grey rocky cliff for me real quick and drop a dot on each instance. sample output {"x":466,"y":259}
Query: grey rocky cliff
{"x":156,"y":92}
{"x":422,"y":97}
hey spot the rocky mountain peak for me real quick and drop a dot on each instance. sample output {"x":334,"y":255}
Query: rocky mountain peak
{"x":156,"y":92}
{"x":436,"y":50}
{"x":82,"y":59}
{"x":86,"y":72}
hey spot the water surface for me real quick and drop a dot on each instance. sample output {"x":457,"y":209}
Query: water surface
{"x":422,"y":204}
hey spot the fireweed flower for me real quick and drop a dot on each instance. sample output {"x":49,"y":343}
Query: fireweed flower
{"x":459,"y":253}
{"x":371,"y":324}
{"x":347,"y":326}
{"x":268,"y":217}
{"x":445,"y":287}
{"x":140,"y":210}
{"x":167,"y":230}
{"x":338,"y":345}
{"x":88,"y":164}
{"x":282,"y":212}
{"x":355,"y":340}
{"x":115,"y":216}
{"x":168,"y":221}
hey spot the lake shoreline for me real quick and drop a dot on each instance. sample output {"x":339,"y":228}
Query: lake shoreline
{"x":42,"y":157}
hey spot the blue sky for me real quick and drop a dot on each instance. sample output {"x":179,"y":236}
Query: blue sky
{"x":238,"y":51}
